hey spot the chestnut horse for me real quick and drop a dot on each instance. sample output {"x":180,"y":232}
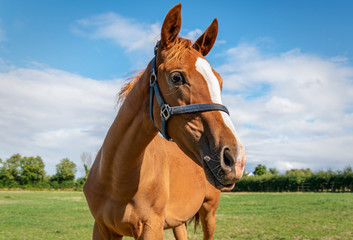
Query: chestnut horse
{"x":141,"y":183}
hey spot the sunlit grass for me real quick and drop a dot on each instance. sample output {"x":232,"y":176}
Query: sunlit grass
{"x":65,"y":215}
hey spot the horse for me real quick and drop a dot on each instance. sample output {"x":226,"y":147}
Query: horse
{"x":142,"y":182}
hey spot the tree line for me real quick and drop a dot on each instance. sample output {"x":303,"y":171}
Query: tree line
{"x":263,"y":180}
{"x":29,"y":173}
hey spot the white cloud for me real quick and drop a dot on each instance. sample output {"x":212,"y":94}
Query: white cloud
{"x":125,"y":32}
{"x":282,"y":106}
{"x":194,"y":34}
{"x":291,"y":109}
{"x":53,"y":113}
{"x":136,"y":39}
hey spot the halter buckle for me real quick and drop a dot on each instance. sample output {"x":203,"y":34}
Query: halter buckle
{"x":166,"y":112}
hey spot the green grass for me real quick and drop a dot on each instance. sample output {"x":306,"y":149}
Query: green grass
{"x":65,"y":215}
{"x":285,"y":216}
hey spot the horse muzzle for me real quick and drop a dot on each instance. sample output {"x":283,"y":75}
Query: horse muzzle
{"x":223,"y":170}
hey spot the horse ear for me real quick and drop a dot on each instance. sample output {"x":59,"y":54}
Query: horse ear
{"x":171,"y":26}
{"x":206,"y":41}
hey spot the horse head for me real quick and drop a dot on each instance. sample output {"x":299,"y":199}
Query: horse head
{"x":186,"y":79}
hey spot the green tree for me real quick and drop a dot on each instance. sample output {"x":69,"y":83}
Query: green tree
{"x":348,"y":178}
{"x":65,"y":171}
{"x":347,"y":170}
{"x":300,"y":172}
{"x":260,"y":170}
{"x":273,"y":171}
{"x":2,"y":173}
{"x":11,"y":170}
{"x":32,"y":170}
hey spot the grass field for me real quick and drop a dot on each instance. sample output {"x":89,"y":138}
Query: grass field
{"x":65,"y":215}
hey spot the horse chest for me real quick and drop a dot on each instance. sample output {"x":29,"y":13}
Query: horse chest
{"x":172,"y":214}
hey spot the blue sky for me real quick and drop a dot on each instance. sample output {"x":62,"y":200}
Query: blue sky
{"x":287,"y":68}
{"x":41,"y":31}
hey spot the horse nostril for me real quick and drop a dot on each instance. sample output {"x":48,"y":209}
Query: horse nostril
{"x":228,"y":159}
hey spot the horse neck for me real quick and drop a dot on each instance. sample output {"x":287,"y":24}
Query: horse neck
{"x":131,"y":132}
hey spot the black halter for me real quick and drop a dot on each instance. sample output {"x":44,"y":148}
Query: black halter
{"x":166,"y":110}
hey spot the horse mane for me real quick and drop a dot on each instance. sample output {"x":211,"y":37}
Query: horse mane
{"x":176,"y":52}
{"x":128,"y":85}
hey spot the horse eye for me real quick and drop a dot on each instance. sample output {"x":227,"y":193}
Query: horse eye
{"x":176,"y":78}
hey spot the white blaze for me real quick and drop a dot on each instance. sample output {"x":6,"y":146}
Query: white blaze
{"x":204,"y":68}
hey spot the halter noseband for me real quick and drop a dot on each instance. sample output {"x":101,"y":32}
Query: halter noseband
{"x":166,"y":110}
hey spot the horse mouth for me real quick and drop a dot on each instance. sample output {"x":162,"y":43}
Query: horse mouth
{"x":222,"y":187}
{"x":228,"y":187}
{"x":213,"y":177}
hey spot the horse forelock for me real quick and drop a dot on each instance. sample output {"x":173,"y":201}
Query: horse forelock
{"x":179,"y":49}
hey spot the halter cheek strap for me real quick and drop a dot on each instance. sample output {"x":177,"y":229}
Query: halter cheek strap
{"x":168,"y":111}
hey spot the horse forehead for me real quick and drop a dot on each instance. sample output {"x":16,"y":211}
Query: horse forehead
{"x":205,"y":69}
